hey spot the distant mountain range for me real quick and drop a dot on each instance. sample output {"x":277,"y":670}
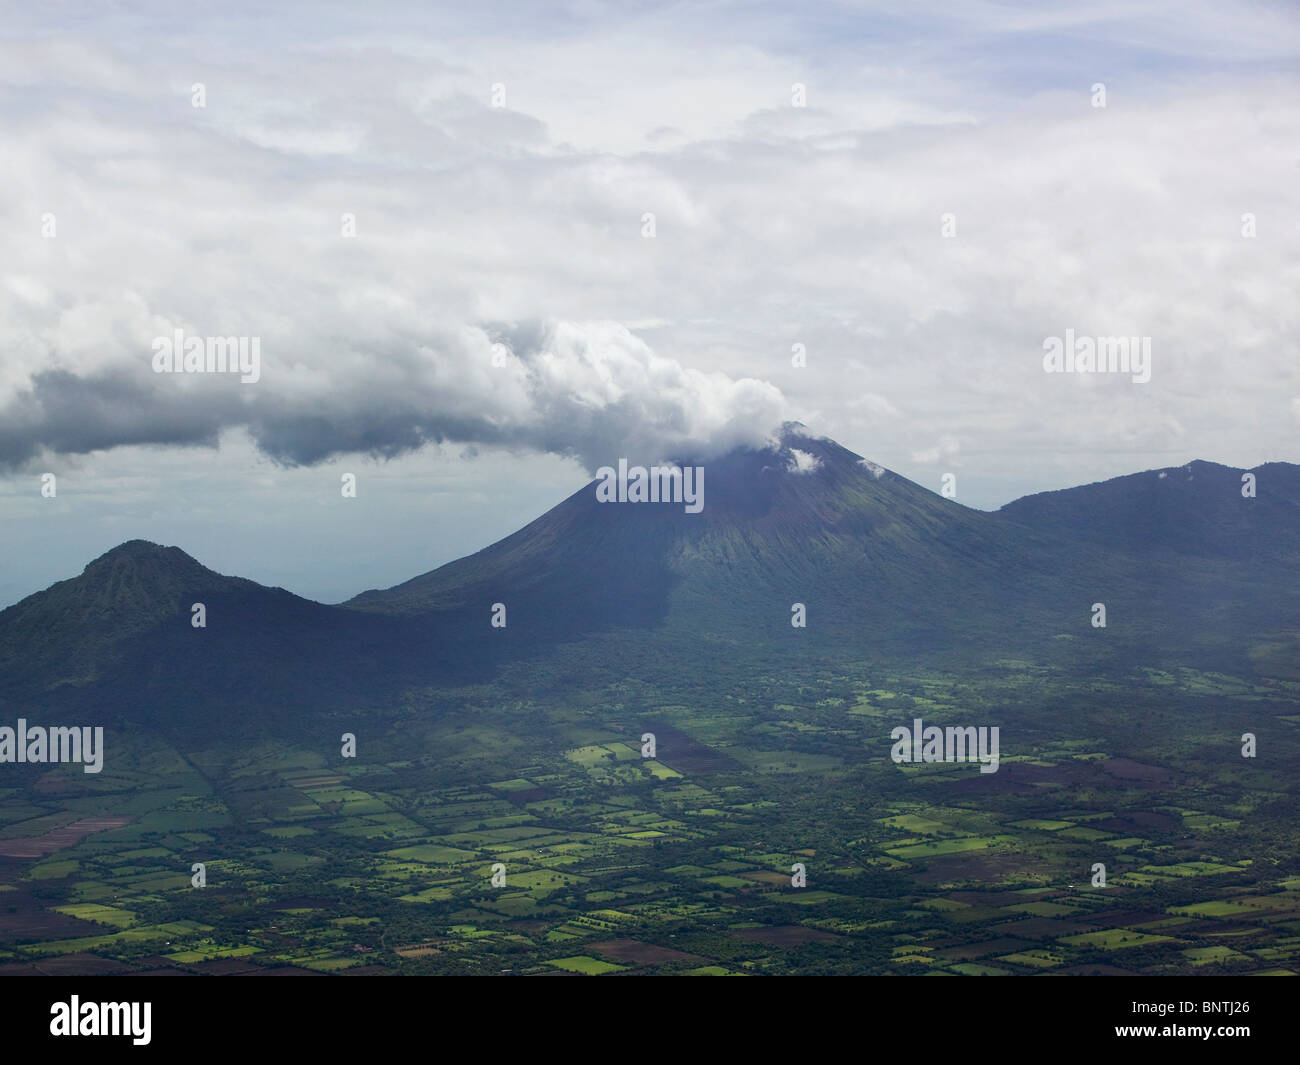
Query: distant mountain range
{"x":1185,"y":563}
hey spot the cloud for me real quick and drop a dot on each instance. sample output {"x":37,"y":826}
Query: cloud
{"x":948,"y":449}
{"x":803,"y":462}
{"x":588,"y":390}
{"x":521,"y":225}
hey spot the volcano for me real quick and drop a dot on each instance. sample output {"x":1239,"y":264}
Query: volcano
{"x":801,"y":552}
{"x":866,"y":552}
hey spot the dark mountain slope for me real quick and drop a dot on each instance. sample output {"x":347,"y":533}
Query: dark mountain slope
{"x":1195,"y":510}
{"x":118,"y":641}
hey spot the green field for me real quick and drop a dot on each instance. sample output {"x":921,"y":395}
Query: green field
{"x":615,"y":863}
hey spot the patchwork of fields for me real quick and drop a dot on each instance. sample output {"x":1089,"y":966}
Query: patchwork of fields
{"x":617,"y":864}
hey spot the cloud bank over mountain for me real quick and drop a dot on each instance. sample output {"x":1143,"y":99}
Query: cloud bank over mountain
{"x":590,"y":390}
{"x":774,"y":225}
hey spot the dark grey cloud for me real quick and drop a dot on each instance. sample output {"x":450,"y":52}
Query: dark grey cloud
{"x":65,"y":413}
{"x":592,"y":391}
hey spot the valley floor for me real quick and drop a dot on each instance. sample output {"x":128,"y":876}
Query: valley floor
{"x":607,"y":862}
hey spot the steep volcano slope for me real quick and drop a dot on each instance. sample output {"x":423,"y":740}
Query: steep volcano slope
{"x":870,"y":554}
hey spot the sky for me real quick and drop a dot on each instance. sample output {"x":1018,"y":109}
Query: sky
{"x":434,"y":221}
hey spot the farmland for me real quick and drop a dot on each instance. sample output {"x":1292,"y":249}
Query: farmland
{"x":495,"y":832}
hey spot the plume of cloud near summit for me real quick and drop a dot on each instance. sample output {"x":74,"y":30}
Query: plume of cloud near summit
{"x":590,"y":390}
{"x":594,"y":389}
